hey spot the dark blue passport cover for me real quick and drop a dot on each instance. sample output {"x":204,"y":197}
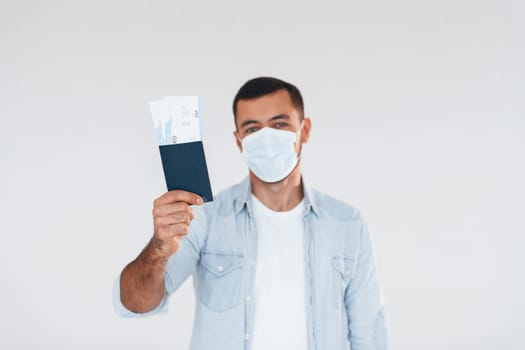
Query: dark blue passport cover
{"x":185,"y":168}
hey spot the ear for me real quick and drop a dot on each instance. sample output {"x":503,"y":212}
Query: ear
{"x":307,"y":127}
{"x":237,"y":141}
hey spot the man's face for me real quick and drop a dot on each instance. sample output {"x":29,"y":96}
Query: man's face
{"x":274,"y":110}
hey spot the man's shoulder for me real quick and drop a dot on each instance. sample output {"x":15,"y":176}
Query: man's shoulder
{"x":224,"y":201}
{"x":330,"y":206}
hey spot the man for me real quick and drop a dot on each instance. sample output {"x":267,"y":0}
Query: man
{"x":276,"y":264}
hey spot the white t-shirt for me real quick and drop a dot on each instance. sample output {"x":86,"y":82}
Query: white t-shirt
{"x":279,"y":295}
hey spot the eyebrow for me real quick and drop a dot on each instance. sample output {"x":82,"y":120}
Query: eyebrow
{"x":277,"y":117}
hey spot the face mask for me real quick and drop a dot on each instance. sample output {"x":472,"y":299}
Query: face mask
{"x":270,"y":153}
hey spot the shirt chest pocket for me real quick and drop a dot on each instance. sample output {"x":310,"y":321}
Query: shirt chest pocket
{"x":343,"y":270}
{"x":219,"y":280}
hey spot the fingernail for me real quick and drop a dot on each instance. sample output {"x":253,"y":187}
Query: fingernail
{"x":199,"y":200}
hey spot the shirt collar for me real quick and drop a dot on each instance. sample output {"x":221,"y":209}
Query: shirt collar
{"x":245,"y":190}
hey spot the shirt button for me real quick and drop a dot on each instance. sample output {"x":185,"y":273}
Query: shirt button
{"x":248,"y":298}
{"x":247,"y":336}
{"x":220,"y":268}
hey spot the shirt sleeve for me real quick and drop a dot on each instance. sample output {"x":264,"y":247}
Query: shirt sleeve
{"x":364,"y":301}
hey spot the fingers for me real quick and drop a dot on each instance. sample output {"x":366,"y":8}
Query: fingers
{"x":175,"y":218}
{"x":172,"y":208}
{"x":181,"y":229}
{"x":172,"y":219}
{"x":172,"y":216}
{"x":179,"y":196}
{"x":165,"y":232}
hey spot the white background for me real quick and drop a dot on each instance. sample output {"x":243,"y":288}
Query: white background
{"x":418,"y":120}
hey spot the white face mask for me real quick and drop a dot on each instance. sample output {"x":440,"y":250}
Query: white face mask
{"x":270,"y":153}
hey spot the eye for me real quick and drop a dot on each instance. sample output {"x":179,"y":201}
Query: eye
{"x":252,"y":129}
{"x":280,"y":125}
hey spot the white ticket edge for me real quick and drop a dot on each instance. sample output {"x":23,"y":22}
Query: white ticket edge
{"x":176,"y":119}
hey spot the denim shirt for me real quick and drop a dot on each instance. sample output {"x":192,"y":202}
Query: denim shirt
{"x":344,"y":304}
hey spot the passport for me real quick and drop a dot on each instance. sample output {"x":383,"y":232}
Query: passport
{"x":177,"y":122}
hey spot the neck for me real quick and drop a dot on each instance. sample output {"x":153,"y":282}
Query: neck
{"x":279,"y":196}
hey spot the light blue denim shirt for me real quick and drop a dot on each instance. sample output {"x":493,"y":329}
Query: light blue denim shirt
{"x":343,"y":299}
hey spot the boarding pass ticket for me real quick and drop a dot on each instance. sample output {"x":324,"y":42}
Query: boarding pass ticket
{"x":176,"y":119}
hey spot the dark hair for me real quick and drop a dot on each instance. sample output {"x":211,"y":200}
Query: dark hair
{"x":262,"y":86}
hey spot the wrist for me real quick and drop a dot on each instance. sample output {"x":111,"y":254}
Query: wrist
{"x":155,"y":253}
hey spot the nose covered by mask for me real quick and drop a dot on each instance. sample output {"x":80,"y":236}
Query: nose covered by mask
{"x":270,"y":153}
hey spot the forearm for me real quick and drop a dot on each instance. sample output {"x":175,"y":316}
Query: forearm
{"x":142,"y":281}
